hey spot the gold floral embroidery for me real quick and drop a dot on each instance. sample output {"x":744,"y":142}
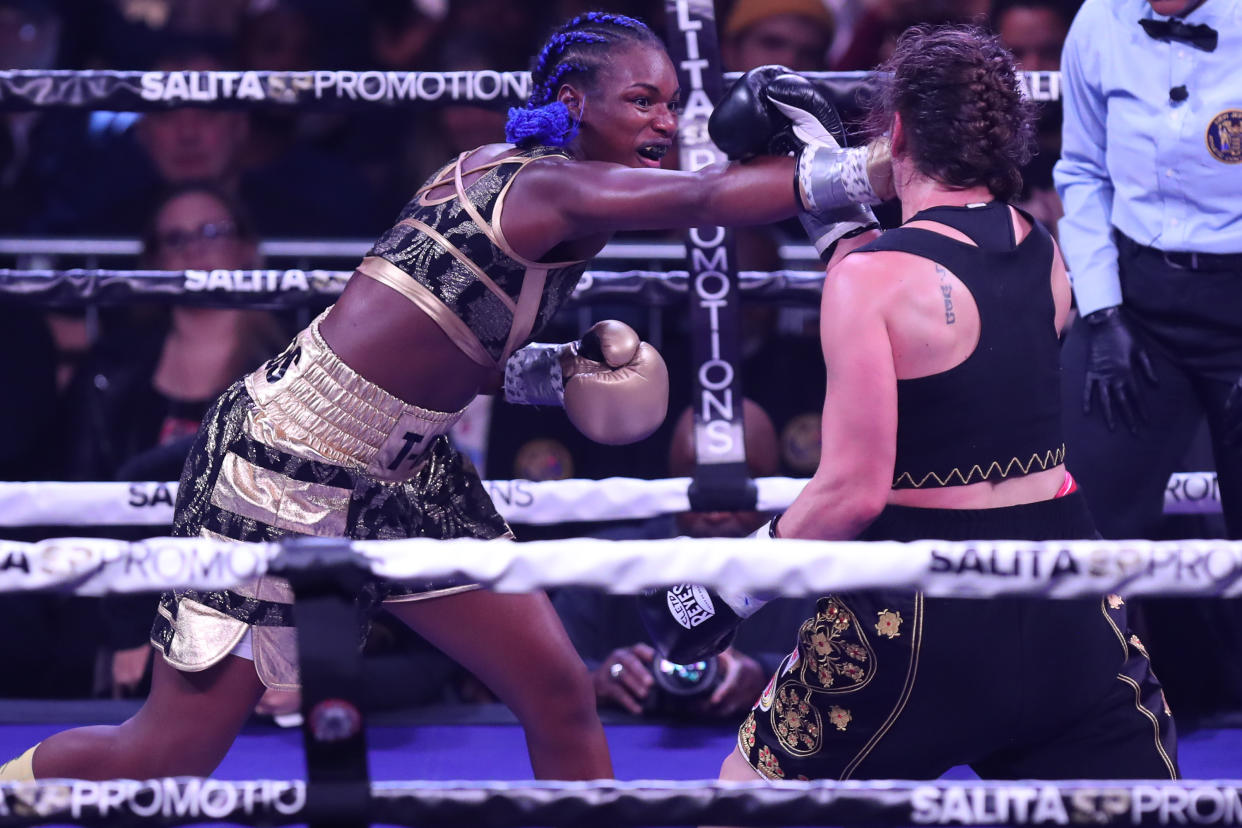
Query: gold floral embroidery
{"x":1115,"y":601}
{"x":1138,"y":645}
{"x":855,"y":652}
{"x":840,"y":717}
{"x":796,"y":722}
{"x":889,"y":624}
{"x":768,"y":766}
{"x":836,"y":653}
{"x":746,"y":736}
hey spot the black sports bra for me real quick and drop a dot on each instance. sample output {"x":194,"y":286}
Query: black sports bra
{"x":998,"y":413}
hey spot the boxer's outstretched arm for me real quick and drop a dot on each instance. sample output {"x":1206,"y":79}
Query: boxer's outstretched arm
{"x":584,"y":198}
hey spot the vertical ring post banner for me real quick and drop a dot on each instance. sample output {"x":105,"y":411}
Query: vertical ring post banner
{"x":721,"y":481}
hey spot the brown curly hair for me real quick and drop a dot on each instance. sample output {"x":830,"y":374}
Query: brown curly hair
{"x":965,"y":119}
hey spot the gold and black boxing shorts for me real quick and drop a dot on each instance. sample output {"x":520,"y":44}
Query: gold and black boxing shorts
{"x":305,"y":445}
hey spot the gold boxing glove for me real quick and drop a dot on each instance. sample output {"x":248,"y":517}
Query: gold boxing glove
{"x":612,"y":385}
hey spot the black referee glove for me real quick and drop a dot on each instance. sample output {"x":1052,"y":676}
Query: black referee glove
{"x":1113,"y":363}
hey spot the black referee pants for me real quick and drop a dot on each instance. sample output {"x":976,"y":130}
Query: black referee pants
{"x":1190,"y":323}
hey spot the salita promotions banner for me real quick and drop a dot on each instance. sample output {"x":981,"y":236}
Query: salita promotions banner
{"x":721,"y":481}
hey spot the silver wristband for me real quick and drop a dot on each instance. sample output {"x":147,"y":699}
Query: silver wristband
{"x":831,"y":177}
{"x":533,"y":376}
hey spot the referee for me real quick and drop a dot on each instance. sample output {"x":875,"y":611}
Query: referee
{"x":1151,"y":180}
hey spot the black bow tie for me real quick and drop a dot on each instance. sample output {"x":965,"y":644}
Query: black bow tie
{"x":1199,"y":35}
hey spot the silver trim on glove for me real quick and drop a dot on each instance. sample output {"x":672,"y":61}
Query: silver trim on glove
{"x":830,"y":177}
{"x":533,"y":376}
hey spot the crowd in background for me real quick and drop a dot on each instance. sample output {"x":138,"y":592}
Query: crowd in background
{"x":114,"y":393}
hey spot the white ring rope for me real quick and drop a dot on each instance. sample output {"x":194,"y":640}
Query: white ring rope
{"x":967,"y":569}
{"x":538,"y":503}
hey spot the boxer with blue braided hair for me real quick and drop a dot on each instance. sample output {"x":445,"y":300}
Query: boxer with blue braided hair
{"x":575,"y":50}
{"x":345,"y":434}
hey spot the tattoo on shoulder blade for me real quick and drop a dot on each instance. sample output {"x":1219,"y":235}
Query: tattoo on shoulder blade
{"x":946,"y":293}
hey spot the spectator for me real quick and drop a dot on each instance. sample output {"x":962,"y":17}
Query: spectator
{"x":30,"y":146}
{"x":277,"y":36}
{"x":453,"y":126}
{"x":793,"y":33}
{"x":384,"y":142}
{"x":142,"y":393}
{"x":612,"y":641}
{"x":877,"y":28}
{"x":513,"y":28}
{"x":148,"y":382}
{"x":29,"y":384}
{"x":205,"y":17}
{"x":403,"y":33}
{"x":283,"y":185}
{"x":1152,"y":186}
{"x":1034,"y":31}
{"x":34,"y":145}
{"x":29,"y":33}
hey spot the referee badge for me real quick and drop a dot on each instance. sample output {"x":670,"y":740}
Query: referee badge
{"x":1224,"y":136}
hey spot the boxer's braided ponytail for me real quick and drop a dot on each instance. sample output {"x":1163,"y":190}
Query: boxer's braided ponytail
{"x":966,"y":120}
{"x":577,"y":49}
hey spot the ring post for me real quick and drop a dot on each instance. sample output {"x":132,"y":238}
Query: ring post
{"x":326,"y":575}
{"x":721,"y":480}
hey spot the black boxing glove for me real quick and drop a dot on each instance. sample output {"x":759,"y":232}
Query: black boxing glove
{"x":832,"y":181}
{"x":689,"y":623}
{"x":831,"y":173}
{"x":744,"y":124}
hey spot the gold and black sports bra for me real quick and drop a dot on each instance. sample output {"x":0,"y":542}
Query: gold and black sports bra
{"x":449,"y":257}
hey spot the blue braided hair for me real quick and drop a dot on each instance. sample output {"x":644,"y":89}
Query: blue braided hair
{"x":577,"y":49}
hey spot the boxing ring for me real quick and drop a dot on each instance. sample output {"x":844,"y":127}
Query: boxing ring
{"x":248,"y":785}
{"x":447,"y":744}
{"x":332,"y":771}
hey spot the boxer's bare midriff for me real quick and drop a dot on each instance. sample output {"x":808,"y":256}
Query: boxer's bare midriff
{"x":986,"y":494}
{"x":381,"y":335}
